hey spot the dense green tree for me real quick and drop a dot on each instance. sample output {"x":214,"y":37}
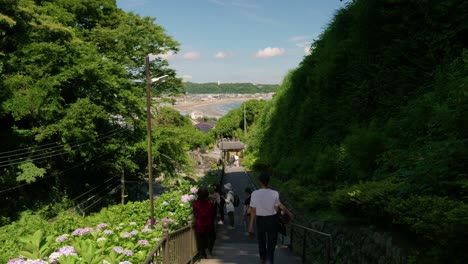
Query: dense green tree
{"x":68,"y":104}
{"x":231,"y":125}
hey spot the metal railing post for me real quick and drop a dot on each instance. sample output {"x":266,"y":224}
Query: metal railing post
{"x":291,"y":242}
{"x":166,"y":247}
{"x":304,"y":243}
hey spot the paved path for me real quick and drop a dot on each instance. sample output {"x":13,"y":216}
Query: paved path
{"x":233,"y":246}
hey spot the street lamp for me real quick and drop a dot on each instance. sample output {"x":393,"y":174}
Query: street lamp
{"x":149,"y":81}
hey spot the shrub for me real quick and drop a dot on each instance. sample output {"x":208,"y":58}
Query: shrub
{"x":435,"y":218}
{"x":363,"y":146}
{"x":368,"y":198}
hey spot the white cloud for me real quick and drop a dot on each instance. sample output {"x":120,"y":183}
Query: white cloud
{"x":236,"y":3}
{"x":168,"y":55}
{"x":221,"y":55}
{"x":191,"y":55}
{"x":269,"y":52}
{"x":186,"y":77}
{"x":303,"y":42}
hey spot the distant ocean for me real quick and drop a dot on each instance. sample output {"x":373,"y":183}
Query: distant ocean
{"x":223,"y":109}
{"x":215,"y":109}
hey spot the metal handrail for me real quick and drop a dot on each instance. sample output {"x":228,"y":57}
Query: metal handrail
{"x":172,"y":249}
{"x":329,"y":244}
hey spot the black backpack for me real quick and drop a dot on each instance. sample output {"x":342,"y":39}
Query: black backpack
{"x":236,"y":201}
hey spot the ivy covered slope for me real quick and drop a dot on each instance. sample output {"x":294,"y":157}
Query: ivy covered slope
{"x":69,"y":108}
{"x":374,"y":123}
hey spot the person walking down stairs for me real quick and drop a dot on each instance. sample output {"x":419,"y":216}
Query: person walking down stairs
{"x":205,"y":213}
{"x":264,"y":204}
{"x":229,"y":199}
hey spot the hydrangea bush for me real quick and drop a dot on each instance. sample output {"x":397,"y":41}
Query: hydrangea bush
{"x":117,"y":234}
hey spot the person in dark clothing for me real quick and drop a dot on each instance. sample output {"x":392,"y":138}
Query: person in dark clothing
{"x":246,"y":210}
{"x":204,"y":212}
{"x":220,"y":204}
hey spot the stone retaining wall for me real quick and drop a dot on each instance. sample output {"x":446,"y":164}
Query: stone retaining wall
{"x":350,"y":245}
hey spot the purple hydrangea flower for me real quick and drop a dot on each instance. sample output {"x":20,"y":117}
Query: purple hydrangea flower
{"x":61,"y":238}
{"x":54,"y":257}
{"x":35,"y":261}
{"x":108,"y":232}
{"x":148,"y":222}
{"x":143,"y":242}
{"x":67,"y":250}
{"x":101,"y":226}
{"x":123,"y":251}
{"x":119,"y":250}
{"x":125,"y":235}
{"x":146,"y":229}
{"x":185,"y":198}
{"x":193,"y":190}
{"x":167,"y":220}
{"x":16,"y":261}
{"x":128,"y":252}
{"x":134,"y":233}
{"x":82,"y":231}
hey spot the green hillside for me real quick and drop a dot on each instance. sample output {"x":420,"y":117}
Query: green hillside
{"x":237,"y":88}
{"x":374,"y":123}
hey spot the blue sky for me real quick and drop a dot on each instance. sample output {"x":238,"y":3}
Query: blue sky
{"x":256,"y":41}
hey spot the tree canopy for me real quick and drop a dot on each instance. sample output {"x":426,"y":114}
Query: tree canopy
{"x":69,"y":108}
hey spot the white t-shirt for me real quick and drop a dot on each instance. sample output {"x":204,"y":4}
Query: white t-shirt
{"x":264,"y":201}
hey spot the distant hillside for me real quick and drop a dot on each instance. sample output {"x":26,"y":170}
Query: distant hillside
{"x":237,"y":88}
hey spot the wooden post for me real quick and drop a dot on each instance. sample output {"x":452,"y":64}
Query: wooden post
{"x":191,"y":242}
{"x":166,"y":244}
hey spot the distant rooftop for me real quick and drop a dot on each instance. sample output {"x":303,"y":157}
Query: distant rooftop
{"x":231,"y":145}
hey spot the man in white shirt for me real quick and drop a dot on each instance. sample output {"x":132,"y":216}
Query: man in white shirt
{"x":264,"y":204}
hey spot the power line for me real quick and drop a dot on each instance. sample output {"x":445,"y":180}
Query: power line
{"x":79,"y":196}
{"x":57,"y":145}
{"x":6,"y":163}
{"x":99,"y":198}
{"x":48,"y":177}
{"x":41,"y":179}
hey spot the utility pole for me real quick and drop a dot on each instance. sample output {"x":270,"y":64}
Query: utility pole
{"x":122,"y":185}
{"x":149,"y":81}
{"x":245,"y":123}
{"x":150,"y":156}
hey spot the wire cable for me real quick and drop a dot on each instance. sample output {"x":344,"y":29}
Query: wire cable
{"x":6,"y":163}
{"x":57,"y":145}
{"x":48,"y":177}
